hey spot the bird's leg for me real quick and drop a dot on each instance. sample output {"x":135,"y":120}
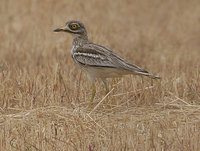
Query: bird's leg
{"x":93,"y":92}
{"x":107,"y":88}
{"x":92,"y":80}
{"x":107,"y":91}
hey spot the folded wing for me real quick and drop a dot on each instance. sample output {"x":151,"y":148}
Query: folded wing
{"x":98,"y":56}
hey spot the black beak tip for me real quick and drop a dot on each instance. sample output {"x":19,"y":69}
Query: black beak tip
{"x":57,"y":30}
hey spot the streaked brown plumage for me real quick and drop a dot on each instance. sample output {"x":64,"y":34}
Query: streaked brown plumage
{"x":98,"y":61}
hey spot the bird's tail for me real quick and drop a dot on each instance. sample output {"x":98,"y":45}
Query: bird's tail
{"x":146,"y":73}
{"x":137,"y":70}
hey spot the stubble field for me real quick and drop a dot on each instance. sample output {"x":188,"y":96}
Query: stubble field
{"x":44,"y":97}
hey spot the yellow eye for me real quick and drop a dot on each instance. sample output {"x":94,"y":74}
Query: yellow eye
{"x":74,"y":26}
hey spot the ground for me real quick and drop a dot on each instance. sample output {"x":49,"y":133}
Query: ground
{"x":44,"y":97}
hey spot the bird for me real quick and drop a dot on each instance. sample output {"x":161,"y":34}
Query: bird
{"x":98,"y":61}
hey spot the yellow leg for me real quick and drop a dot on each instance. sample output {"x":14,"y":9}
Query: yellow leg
{"x":106,"y":86}
{"x":93,"y":92}
{"x":107,"y":90}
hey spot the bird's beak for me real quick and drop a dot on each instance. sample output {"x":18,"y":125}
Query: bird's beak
{"x":60,"y":29}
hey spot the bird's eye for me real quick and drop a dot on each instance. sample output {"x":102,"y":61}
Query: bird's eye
{"x":74,"y":26}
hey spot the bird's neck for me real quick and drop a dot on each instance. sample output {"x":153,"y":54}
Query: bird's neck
{"x":80,"y":40}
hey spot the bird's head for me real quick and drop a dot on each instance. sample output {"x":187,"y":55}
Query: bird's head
{"x":76,"y":28}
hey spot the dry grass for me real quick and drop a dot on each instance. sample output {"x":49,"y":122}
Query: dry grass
{"x":44,"y":97}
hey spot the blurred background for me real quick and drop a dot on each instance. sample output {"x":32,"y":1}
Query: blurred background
{"x":139,"y":30}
